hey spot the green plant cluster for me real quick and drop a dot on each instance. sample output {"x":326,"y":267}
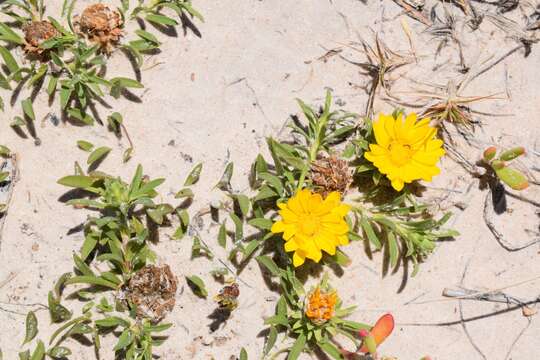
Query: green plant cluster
{"x":69,"y":65}
{"x":118,"y":237}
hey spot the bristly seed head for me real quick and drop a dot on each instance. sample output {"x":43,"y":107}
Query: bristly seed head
{"x":35,"y":33}
{"x":330,"y":174}
{"x":152,"y":290}
{"x":101,"y":25}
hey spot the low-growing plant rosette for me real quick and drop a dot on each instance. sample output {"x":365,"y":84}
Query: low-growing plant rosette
{"x":313,"y":319}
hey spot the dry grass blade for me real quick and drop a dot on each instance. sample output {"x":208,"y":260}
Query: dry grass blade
{"x":512,"y":29}
{"x":447,"y":105}
{"x":414,"y":13}
{"x":381,"y":61}
{"x":445,"y":27}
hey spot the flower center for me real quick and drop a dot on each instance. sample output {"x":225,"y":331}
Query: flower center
{"x":400,"y":154}
{"x":309,"y":225}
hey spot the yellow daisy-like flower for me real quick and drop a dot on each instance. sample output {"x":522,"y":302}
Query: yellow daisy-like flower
{"x":311,"y":224}
{"x":406,"y":149}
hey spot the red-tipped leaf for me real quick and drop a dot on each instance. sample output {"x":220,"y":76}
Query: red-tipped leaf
{"x":382,"y":329}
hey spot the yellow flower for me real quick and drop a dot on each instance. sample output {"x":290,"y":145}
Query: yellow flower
{"x":320,"y":305}
{"x":310,"y":224}
{"x":406,"y":149}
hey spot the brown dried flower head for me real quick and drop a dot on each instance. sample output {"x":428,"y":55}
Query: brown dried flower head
{"x":152,"y":290}
{"x":35,"y":33}
{"x":101,"y":25}
{"x":228,"y":297}
{"x":331,"y":174}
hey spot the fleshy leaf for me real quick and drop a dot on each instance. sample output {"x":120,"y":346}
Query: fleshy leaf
{"x":382,"y":329}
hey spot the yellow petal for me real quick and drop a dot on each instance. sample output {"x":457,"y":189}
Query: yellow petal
{"x":298,"y":259}
{"x":291,"y":245}
{"x":381,"y":136}
{"x":278,"y":227}
{"x":397,"y":184}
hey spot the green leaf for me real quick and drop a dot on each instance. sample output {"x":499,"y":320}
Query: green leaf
{"x":60,"y":284}
{"x":91,"y":280}
{"x":59,"y":352}
{"x":10,"y":61}
{"x":147,"y":36}
{"x":5,"y":151}
{"x":24,"y":355}
{"x":57,"y":311}
{"x":184,"y":193}
{"x":127,"y":155}
{"x":115,"y":120}
{"x":271,"y":340}
{"x":79,"y":115}
{"x":261,"y":223}
{"x":392,"y":249}
{"x":331,"y":349}
{"x":222,"y":236}
{"x":9,"y":35}
{"x":3,"y":176}
{"x":85,"y":145}
{"x":250,"y":248}
{"x":51,"y":87}
{"x":297,"y":347}
{"x":39,"y":75}
{"x":513,"y":178}
{"x":125,"y":339}
{"x":197,"y":285}
{"x":186,"y":5}
{"x":39,"y":353}
{"x":17,"y":121}
{"x":31,"y":327}
{"x":77,"y":181}
{"x":194,"y":175}
{"x":244,"y":203}
{"x":243,"y":354}
{"x":98,"y":154}
{"x":81,"y":266}
{"x":239,"y":227}
{"x":124,"y":82}
{"x":161,"y":20}
{"x":368,"y":229}
{"x":112,"y":321}
{"x":269,"y":264}
{"x":28,"y":109}
{"x":225,"y":181}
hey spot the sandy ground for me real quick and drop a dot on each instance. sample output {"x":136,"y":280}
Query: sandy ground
{"x":214,"y":98}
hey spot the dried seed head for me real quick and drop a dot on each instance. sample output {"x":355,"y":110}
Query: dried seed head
{"x":101,"y":25}
{"x":228,"y":297}
{"x":331,"y":174}
{"x":35,"y":33}
{"x":152,"y":290}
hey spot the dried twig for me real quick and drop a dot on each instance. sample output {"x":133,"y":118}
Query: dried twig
{"x":488,"y":213}
{"x":461,"y":318}
{"x":490,"y":296}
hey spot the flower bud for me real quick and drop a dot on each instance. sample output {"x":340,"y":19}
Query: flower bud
{"x":369,"y":344}
{"x":490,"y":153}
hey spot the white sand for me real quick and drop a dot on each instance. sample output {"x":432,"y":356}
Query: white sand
{"x":194,"y":96}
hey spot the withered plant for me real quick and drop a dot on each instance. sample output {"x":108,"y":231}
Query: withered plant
{"x":381,"y":60}
{"x":101,"y":26}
